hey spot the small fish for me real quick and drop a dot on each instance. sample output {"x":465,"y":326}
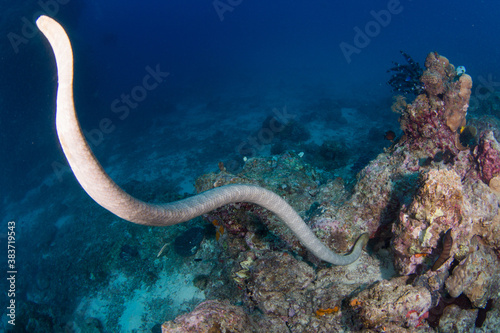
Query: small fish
{"x":322,"y":312}
{"x":445,"y":253}
{"x":390,"y":135}
{"x":467,"y":137}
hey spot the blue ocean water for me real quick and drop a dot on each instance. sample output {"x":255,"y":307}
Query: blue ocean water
{"x":180,"y":87}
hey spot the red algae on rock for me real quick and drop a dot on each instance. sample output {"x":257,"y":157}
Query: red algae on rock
{"x":487,"y":154}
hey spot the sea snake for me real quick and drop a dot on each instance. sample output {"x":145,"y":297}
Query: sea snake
{"x":96,"y":182}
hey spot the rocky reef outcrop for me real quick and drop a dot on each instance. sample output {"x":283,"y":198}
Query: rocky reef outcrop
{"x":429,"y":203}
{"x":431,"y":122}
{"x":392,"y":302}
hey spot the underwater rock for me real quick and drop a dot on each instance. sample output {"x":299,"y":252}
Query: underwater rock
{"x":293,"y":131}
{"x":188,"y":243}
{"x":487,"y":154}
{"x":437,"y":207}
{"x":455,"y":319}
{"x":457,"y":104}
{"x":483,"y":203}
{"x":477,"y":275}
{"x":128,"y":252}
{"x":363,"y":211}
{"x":491,"y":322}
{"x":484,"y":211}
{"x":495,"y":186}
{"x":211,"y":316}
{"x":201,"y":281}
{"x":279,"y":281}
{"x":432,"y":120}
{"x":394,"y":193}
{"x":334,"y":152}
{"x":393,"y":302}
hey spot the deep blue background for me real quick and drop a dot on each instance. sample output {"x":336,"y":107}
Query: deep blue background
{"x":258,"y":44}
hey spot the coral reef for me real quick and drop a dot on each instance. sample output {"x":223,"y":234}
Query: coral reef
{"x":430,"y":123}
{"x":277,"y":289}
{"x":430,"y":205}
{"x":246,"y":224}
{"x":487,"y":154}
{"x":442,"y":213}
{"x":455,"y":319}
{"x":393,"y":302}
{"x":437,"y":207}
{"x":477,"y":275}
{"x":211,"y":316}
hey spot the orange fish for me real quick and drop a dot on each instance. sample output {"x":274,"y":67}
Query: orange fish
{"x":322,"y":312}
{"x":390,"y":135}
{"x":219,"y":232}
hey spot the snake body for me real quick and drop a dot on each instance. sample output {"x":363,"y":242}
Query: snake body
{"x":96,"y":182}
